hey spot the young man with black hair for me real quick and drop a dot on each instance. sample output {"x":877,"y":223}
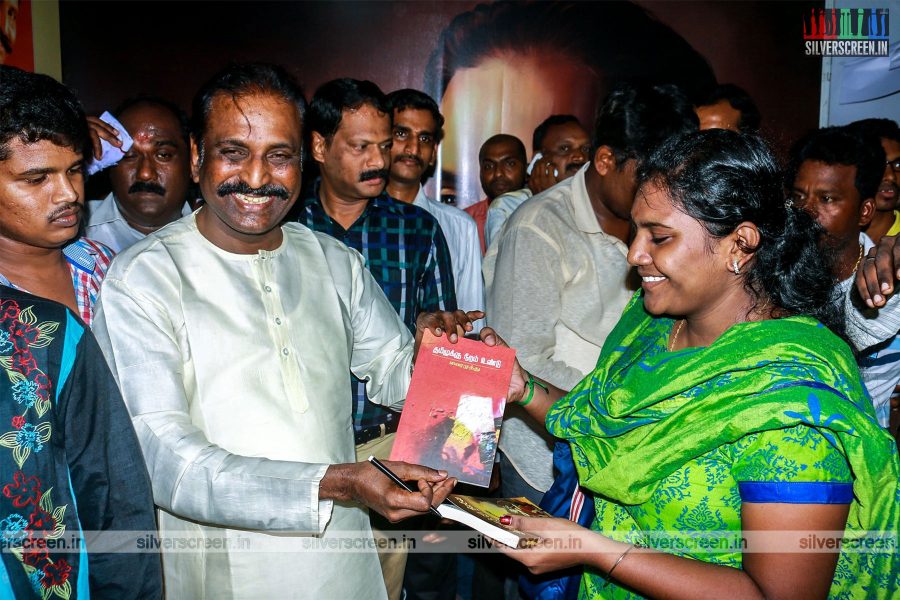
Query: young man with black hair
{"x":44,"y":137}
{"x":417,"y":130}
{"x":69,"y":460}
{"x":834,"y":174}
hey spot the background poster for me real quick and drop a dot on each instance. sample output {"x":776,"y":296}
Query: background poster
{"x":501,"y":66}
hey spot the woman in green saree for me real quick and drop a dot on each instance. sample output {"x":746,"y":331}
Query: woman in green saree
{"x":724,"y":405}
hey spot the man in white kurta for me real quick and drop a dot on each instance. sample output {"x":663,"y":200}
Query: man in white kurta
{"x":235,"y":369}
{"x":231,"y":338}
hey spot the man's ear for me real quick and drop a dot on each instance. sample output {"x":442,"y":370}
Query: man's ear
{"x":744,"y":241}
{"x":319,"y":146}
{"x":866,"y":211}
{"x":195,"y":160}
{"x":604,"y":160}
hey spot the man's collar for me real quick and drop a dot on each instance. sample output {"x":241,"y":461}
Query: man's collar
{"x":585,"y":218}
{"x":421,"y":200}
{"x":381,"y":202}
{"x":82,"y":254}
{"x":105,"y":211}
{"x":108,"y":211}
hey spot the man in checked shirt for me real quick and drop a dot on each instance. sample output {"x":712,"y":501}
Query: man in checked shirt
{"x":402,"y":245}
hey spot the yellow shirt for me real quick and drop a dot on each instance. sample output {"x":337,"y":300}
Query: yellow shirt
{"x":895,"y":228}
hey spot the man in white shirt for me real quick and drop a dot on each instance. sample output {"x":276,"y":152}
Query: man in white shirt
{"x":556,"y":279}
{"x":231,"y":337}
{"x":417,"y":132}
{"x":564,"y":147}
{"x":150,"y":184}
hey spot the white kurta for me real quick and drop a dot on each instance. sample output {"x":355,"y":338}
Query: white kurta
{"x":234,"y":368}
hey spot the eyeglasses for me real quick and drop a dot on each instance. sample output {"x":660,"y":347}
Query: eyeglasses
{"x":894,"y":164}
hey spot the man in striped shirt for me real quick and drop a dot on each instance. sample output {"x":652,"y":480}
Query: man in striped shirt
{"x":43,"y":136}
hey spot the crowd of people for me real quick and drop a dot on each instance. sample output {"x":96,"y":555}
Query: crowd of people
{"x":211,"y":351}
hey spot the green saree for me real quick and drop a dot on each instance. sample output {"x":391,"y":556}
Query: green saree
{"x":772,"y":411}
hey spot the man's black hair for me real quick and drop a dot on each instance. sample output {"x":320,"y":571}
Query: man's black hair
{"x":635,"y":119}
{"x":842,"y":146}
{"x":740,"y":101}
{"x":184,"y":123}
{"x":879,"y":128}
{"x":505,"y":138}
{"x":601,"y":35}
{"x":401,"y":100}
{"x":537,"y":140}
{"x":36,"y":107}
{"x":243,"y":79}
{"x":331,"y":100}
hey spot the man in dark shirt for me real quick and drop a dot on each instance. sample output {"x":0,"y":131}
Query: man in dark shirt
{"x":402,"y":245}
{"x":70,"y":465}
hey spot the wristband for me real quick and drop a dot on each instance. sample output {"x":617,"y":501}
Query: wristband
{"x":530,"y":385}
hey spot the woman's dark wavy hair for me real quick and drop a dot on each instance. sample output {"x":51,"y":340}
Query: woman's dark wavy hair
{"x":36,"y":107}
{"x":722,"y":179}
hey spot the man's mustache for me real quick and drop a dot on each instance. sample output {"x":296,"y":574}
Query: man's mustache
{"x":147,"y":186}
{"x":270,"y":189}
{"x":412,"y":157}
{"x":373,"y":174}
{"x":60,"y":210}
{"x":574,"y":166}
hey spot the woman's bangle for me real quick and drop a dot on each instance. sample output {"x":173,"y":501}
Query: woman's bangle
{"x":616,"y":564}
{"x":530,"y":385}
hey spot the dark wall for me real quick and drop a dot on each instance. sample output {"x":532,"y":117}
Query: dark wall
{"x":758,"y":46}
{"x":114,"y":49}
{"x":111,"y":50}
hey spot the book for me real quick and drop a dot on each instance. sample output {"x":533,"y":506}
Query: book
{"x":483,"y":515}
{"x":454,"y":408}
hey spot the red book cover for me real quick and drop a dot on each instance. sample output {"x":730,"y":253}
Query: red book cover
{"x":454,"y":408}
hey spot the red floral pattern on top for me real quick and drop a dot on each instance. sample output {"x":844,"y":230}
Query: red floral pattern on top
{"x":27,"y":491}
{"x":56,"y":573}
{"x":24,"y":490}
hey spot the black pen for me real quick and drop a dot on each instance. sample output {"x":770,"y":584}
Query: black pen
{"x":380,"y":466}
